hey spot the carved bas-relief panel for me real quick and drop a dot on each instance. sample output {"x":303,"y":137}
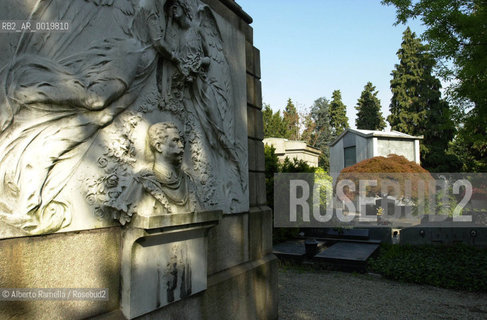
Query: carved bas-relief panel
{"x":138,"y":109}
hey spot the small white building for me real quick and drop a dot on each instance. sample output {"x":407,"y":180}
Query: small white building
{"x":294,"y":149}
{"x":355,"y":145}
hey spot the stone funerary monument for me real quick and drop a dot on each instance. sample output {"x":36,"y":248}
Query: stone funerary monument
{"x":131,"y":158}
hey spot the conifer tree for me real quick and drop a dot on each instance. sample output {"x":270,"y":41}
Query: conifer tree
{"x":267,"y":118}
{"x":338,"y":114}
{"x":274,"y":125}
{"x":416,"y":105}
{"x":410,"y":81}
{"x":291,"y":118}
{"x":369,"y":115}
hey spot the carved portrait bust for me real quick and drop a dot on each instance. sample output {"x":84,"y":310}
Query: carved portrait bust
{"x":163,"y":187}
{"x":168,"y":188}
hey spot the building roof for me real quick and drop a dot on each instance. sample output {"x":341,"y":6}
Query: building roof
{"x":284,"y":145}
{"x":377,"y":133}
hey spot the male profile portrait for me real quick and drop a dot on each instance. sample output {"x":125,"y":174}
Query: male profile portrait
{"x":163,"y":187}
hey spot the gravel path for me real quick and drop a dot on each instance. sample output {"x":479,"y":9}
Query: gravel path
{"x":309,"y":295}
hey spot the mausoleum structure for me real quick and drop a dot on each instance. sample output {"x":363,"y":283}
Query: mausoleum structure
{"x":355,"y":145}
{"x":294,"y":149}
{"x":132,"y":161}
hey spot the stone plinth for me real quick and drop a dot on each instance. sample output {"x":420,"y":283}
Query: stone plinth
{"x":164,"y":259}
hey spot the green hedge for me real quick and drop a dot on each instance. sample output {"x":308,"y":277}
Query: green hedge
{"x":458,"y":267}
{"x":272,"y":166}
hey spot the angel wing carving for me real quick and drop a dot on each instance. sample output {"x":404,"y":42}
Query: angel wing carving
{"x":57,"y":92}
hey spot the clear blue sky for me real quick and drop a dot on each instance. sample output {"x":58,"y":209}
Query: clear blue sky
{"x":309,"y":48}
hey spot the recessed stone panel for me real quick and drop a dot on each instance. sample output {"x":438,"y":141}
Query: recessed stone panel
{"x":163,"y":268}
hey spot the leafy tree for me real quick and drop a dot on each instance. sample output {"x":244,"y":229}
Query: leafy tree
{"x":322,"y":135}
{"x":291,"y":119}
{"x":369,"y":116}
{"x":274,"y":125}
{"x":437,"y":156}
{"x":416,"y":105}
{"x":456,"y":31}
{"x":338,"y":114}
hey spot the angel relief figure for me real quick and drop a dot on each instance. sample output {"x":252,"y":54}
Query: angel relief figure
{"x":59,"y":90}
{"x":197,"y":79}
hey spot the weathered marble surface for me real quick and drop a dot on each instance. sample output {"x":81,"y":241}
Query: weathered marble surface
{"x":76,"y":106}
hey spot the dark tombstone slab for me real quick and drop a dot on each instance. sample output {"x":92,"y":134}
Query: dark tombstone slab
{"x":349,"y":251}
{"x":295,"y":248}
{"x":347,"y":256}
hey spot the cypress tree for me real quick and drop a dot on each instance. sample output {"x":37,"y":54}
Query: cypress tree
{"x":338,"y":114}
{"x":369,"y":116}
